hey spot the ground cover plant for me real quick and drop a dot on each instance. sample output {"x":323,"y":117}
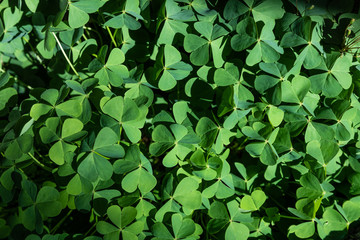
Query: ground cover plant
{"x":179,"y":119}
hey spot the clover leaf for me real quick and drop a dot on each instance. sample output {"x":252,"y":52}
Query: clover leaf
{"x":125,"y":114}
{"x":141,"y":177}
{"x":179,"y":119}
{"x":212,"y":37}
{"x":71,"y":130}
{"x":52,"y":99}
{"x":185,"y":195}
{"x":79,"y":11}
{"x":333,"y":77}
{"x":112,"y":71}
{"x":303,"y":32}
{"x":38,"y":205}
{"x":96,"y":165}
{"x":220,"y":218}
{"x":179,"y":139}
{"x":266,"y":47}
{"x":182,"y":228}
{"x":122,"y":223}
{"x":172,"y":69}
{"x":223,"y":187}
{"x":173,"y":21}
{"x":129,"y":17}
{"x":253,"y":202}
{"x":263,"y":149}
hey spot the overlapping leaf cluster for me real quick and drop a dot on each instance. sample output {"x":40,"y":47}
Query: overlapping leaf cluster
{"x":179,"y":119}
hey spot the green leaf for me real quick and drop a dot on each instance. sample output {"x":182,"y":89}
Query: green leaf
{"x":77,"y":17}
{"x":48,"y":202}
{"x":218,"y":211}
{"x":313,"y":58}
{"x":351,"y":209}
{"x":207,"y":130}
{"x":295,"y":91}
{"x":199,"y":49}
{"x":70,"y":127}
{"x":139,"y":178}
{"x":266,"y":11}
{"x":340,"y":70}
{"x":227,"y":76}
{"x":50,"y":41}
{"x":303,"y":230}
{"x":163,"y":140}
{"x":123,"y":110}
{"x":276,"y":116}
{"x":32,"y":4}
{"x":7,"y":95}
{"x":318,"y":131}
{"x":246,"y":36}
{"x":39,"y":110}
{"x":237,"y":230}
{"x":234,"y":9}
{"x":19,"y":146}
{"x":182,"y":227}
{"x":11,"y":17}
{"x":70,"y":108}
{"x":116,"y":57}
{"x":187,"y":195}
{"x":323,"y":151}
{"x":253,"y":202}
{"x":94,"y":167}
{"x":334,"y":220}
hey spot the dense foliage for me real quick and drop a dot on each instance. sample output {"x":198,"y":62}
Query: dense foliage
{"x":179,"y":119}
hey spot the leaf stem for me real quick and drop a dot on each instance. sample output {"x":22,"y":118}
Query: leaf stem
{"x":35,"y":52}
{"x":215,"y":119}
{"x":290,"y":217}
{"x":55,"y":228}
{"x":109,"y":31}
{"x":121,"y":127}
{"x":95,"y":31}
{"x":111,"y":36}
{"x":66,"y":57}
{"x":43,"y":166}
{"x":277,"y":203}
{"x":87,"y":233}
{"x":100,"y":155}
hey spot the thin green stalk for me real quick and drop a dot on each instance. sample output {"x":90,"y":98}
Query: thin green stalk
{"x":35,"y":51}
{"x":277,"y":203}
{"x":55,"y":228}
{"x":1,"y":63}
{"x":204,"y":225}
{"x":90,"y":229}
{"x":115,"y":32}
{"x":354,"y":40}
{"x":22,"y":83}
{"x":215,"y":119}
{"x":290,"y":217}
{"x":89,"y":233}
{"x":66,"y":57}
{"x":100,"y":155}
{"x":178,"y":91}
{"x":121,"y":127}
{"x":97,"y":33}
{"x":111,"y":36}
{"x":40,"y":164}
{"x":109,"y":31}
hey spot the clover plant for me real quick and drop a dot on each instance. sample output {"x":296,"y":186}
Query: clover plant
{"x":179,"y":119}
